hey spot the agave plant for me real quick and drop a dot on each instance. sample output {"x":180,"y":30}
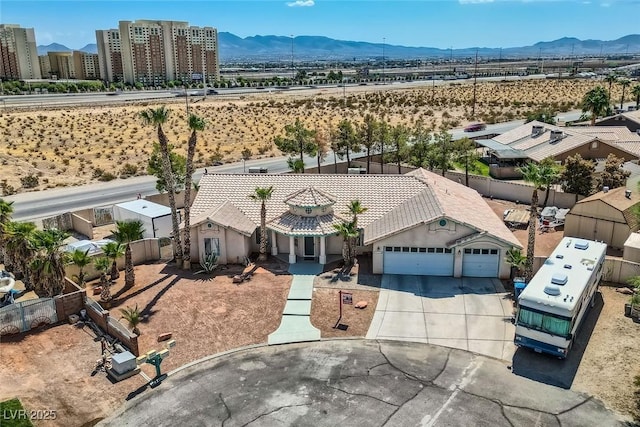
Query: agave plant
{"x":209,"y":263}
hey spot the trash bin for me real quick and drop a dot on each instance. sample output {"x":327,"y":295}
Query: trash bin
{"x":519,"y":285}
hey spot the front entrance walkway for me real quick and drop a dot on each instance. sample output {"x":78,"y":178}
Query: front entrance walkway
{"x":296,"y":318}
{"x":467,"y":313}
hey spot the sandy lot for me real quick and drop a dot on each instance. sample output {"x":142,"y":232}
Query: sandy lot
{"x":67,"y":146}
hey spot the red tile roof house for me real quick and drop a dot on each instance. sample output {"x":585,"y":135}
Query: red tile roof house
{"x":419,"y":223}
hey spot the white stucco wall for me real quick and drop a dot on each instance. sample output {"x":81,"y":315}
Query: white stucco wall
{"x":233,"y":245}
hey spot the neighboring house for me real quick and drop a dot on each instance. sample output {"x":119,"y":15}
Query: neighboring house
{"x":536,"y":141}
{"x":607,"y":216}
{"x":629,"y":119}
{"x":419,"y":223}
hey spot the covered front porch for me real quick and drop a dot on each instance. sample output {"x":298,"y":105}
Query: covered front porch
{"x":322,"y":249}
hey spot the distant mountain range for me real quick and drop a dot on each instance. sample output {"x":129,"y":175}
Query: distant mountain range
{"x":277,"y":48}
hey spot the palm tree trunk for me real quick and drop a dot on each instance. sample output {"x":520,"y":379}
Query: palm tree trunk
{"x":263,"y":233}
{"x":368,"y":159}
{"x":168,"y":177}
{"x":466,"y":174}
{"x":114,"y":271}
{"x":531,"y":241}
{"x":319,"y":163}
{"x":546,"y":196}
{"x":302,"y":160}
{"x":129,"y":274}
{"x":191,"y":150}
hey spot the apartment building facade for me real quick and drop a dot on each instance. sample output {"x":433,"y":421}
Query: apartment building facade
{"x":154,"y":52}
{"x":18,"y":53}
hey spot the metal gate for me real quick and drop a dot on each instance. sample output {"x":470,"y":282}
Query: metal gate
{"x":23,"y":316}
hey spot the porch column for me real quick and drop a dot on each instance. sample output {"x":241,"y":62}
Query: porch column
{"x":323,"y":256}
{"x":274,"y":243}
{"x":292,"y":250}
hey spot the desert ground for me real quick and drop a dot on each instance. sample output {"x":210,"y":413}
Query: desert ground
{"x":72,"y":146}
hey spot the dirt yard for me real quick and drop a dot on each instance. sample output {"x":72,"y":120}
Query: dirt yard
{"x":612,"y":358}
{"x":75,"y":145}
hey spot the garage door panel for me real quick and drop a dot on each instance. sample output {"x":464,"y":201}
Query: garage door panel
{"x":481,"y":264}
{"x":418,"y":263}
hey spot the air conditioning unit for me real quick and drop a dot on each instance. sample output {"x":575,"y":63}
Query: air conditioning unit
{"x":556,"y":135}
{"x":537,"y":130}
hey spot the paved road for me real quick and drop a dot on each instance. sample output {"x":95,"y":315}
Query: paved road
{"x":468,"y":313}
{"x":356,"y":383}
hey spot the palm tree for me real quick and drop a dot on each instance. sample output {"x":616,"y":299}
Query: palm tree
{"x":6,"y":209}
{"x":624,"y":83}
{"x":550,"y":173}
{"x":102,"y":265}
{"x":596,"y":102}
{"x":80,"y":259}
{"x":611,"y":79}
{"x":262,"y":194}
{"x":18,"y":248}
{"x":355,"y":208}
{"x":46,"y":268}
{"x":113,"y":251}
{"x":516,"y":260}
{"x":196,"y":124}
{"x":133,"y":316}
{"x":348,"y":232}
{"x":635,"y":91}
{"x":295,"y":165}
{"x":532,"y":173}
{"x":157,"y":117}
{"x":127,"y":232}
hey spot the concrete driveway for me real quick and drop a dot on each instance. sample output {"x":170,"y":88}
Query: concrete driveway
{"x":468,"y":313}
{"x":356,"y":383}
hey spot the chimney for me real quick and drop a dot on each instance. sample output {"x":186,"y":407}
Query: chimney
{"x":605,"y":189}
{"x":627,"y":194}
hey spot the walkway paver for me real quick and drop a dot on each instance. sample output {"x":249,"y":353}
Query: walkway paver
{"x":296,"y":318}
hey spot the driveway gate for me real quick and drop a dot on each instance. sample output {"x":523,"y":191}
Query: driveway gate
{"x":22,"y":316}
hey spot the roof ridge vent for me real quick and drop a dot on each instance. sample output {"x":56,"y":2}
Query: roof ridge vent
{"x":559,"y":279}
{"x":581,"y":244}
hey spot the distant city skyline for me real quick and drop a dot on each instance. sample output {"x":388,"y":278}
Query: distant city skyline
{"x":439,"y":23}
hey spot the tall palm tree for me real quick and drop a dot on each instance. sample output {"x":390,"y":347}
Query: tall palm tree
{"x":262,"y":194}
{"x":596,"y":102}
{"x":635,"y":91}
{"x":113,"y":251}
{"x":102,"y":265}
{"x":18,"y":248}
{"x":127,"y":232}
{"x":532,"y":173}
{"x":624,"y":83}
{"x":81,"y":259}
{"x":348,"y":232}
{"x":355,"y":208}
{"x":611,"y":79}
{"x":46,"y":268}
{"x":6,"y":209}
{"x":157,"y":117}
{"x":550,"y":174}
{"x":196,"y":124}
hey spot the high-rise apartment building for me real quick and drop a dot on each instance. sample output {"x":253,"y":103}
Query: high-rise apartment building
{"x":153,"y":52}
{"x":87,"y":66}
{"x":18,"y":53}
{"x":61,"y":66}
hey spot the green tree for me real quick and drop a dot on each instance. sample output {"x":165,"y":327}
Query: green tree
{"x":18,"y":247}
{"x":102,"y":265}
{"x":178,"y":167}
{"x":399,"y":138}
{"x":157,"y":117}
{"x":596,"y":102}
{"x":421,"y":152}
{"x":466,"y":154}
{"x":544,"y":115}
{"x":348,"y":232}
{"x":81,"y":259}
{"x":113,"y":251}
{"x":635,"y":91}
{"x":346,"y":140}
{"x":6,"y":210}
{"x":443,"y":150}
{"x":611,"y":79}
{"x":613,"y":176}
{"x":321,"y":141}
{"x":516,"y":260}
{"x":295,"y":165}
{"x":47,"y":266}
{"x":625,"y":83}
{"x":298,"y":140}
{"x":262,"y":194}
{"x":196,"y":124}
{"x":125,"y":233}
{"x":532,"y":173}
{"x":383,"y":141}
{"x":133,"y":317}
{"x":550,"y":173}
{"x":577,"y":176}
{"x":366,"y":134}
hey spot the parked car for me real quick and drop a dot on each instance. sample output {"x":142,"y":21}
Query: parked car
{"x":475,"y":127}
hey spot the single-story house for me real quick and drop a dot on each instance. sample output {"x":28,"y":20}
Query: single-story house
{"x":419,"y":223}
{"x":607,"y":216}
{"x":629,"y":119}
{"x":535,"y":141}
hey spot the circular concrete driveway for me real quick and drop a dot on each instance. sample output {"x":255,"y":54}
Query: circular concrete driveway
{"x":356,"y":383}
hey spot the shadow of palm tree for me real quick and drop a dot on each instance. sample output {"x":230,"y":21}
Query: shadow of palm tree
{"x":117,"y":301}
{"x":148,"y":311}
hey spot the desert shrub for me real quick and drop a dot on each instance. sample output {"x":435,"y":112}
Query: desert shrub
{"x":107,"y":176}
{"x":128,"y":170}
{"x":30,"y":181}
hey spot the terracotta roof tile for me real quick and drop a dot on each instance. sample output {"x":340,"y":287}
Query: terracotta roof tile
{"x":310,"y":197}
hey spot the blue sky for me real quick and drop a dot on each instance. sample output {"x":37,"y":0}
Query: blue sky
{"x":434,"y":23}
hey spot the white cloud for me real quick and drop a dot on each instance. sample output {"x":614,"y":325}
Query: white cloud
{"x":301,"y":3}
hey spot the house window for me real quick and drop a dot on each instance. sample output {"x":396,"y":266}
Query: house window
{"x":594,"y":145}
{"x":211,"y":246}
{"x":308,"y":210}
{"x":494,"y":252}
{"x":422,"y":250}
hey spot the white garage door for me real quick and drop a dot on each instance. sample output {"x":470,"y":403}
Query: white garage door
{"x":480,"y":262}
{"x":418,"y":261}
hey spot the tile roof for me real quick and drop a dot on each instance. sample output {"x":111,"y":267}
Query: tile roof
{"x":227,"y":215}
{"x":617,"y":200}
{"x":541,"y":145}
{"x":310,"y":197}
{"x":297,"y":225}
{"x":394,"y":195}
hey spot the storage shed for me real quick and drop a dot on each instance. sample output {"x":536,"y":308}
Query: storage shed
{"x":607,"y":216}
{"x":632,"y":248}
{"x":155,"y":218}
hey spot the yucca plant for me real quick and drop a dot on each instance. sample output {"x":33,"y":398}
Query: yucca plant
{"x":133,"y":316}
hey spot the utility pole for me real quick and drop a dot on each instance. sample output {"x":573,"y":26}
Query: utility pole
{"x":383,"y":63}
{"x":500,"y":62}
{"x":475,"y":81}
